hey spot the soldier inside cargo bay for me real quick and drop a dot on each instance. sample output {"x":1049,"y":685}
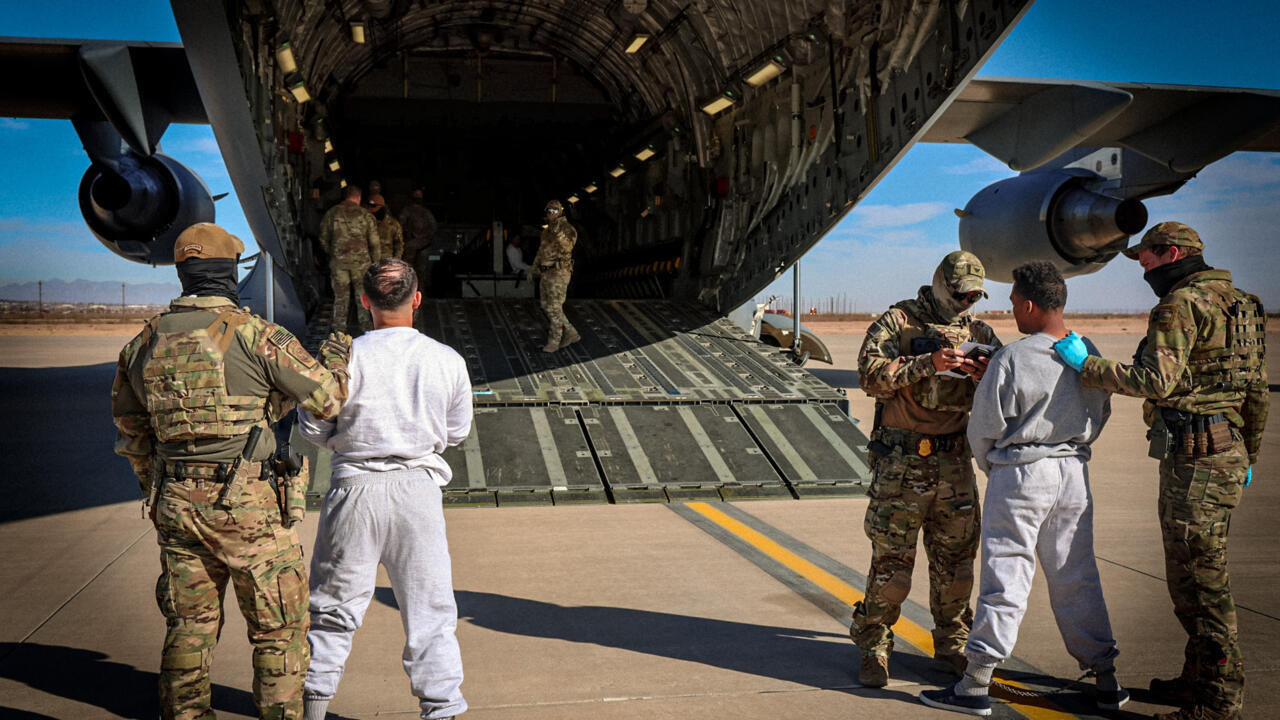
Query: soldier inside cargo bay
{"x":554,"y":263}
{"x":349,"y":235}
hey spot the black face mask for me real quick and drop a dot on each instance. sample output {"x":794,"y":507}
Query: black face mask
{"x":209,"y":277}
{"x":1163,"y":278}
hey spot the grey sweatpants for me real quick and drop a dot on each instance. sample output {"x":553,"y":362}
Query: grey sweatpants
{"x":396,"y":519}
{"x":1040,"y":508}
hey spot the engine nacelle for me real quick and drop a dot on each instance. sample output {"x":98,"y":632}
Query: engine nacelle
{"x":1048,"y":215}
{"x":139,"y":211}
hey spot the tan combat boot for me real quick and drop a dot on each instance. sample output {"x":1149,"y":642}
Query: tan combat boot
{"x":874,"y":670}
{"x":569,"y":339}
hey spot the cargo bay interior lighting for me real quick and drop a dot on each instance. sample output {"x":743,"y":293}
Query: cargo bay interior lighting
{"x":720,"y":103}
{"x":590,"y":187}
{"x":637,"y":41}
{"x":573,"y":199}
{"x":342,"y":183}
{"x":334,"y":165}
{"x":328,"y":146}
{"x":645,"y":153}
{"x":284,"y":56}
{"x":297,"y":87}
{"x":618,"y":171}
{"x":357,"y":33}
{"x":771,"y":69}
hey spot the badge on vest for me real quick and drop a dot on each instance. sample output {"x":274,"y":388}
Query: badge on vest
{"x":924,"y":448}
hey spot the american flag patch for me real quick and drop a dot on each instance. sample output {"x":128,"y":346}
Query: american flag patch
{"x":280,"y":338}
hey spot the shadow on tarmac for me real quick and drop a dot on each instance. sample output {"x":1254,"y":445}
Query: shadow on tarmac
{"x":74,"y":468}
{"x":792,"y":655}
{"x":89,"y":677}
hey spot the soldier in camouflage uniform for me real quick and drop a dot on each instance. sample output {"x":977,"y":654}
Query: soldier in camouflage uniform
{"x":349,"y":234}
{"x":554,"y":262}
{"x":188,"y":390}
{"x":923,"y":476}
{"x":390,"y":236}
{"x":1202,"y":369}
{"x":419,"y":227}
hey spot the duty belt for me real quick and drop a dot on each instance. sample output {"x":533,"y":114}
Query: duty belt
{"x":920,"y":444}
{"x":182,"y":470}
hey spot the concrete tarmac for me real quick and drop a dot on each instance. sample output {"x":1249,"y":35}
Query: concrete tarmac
{"x":704,"y":610}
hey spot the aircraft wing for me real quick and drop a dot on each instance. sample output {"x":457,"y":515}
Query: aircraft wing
{"x":44,"y":79}
{"x":1026,"y":123}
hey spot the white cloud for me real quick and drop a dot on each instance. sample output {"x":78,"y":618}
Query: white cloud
{"x":12,"y":124}
{"x":880,"y":216}
{"x":982,"y":164}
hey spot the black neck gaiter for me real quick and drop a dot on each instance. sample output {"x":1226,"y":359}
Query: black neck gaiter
{"x":209,"y":277}
{"x":1163,"y":278}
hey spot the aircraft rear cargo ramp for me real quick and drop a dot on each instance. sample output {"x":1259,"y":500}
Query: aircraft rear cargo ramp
{"x":659,"y":401}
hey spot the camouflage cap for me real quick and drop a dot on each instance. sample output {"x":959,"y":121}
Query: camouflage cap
{"x":963,"y":272}
{"x":377,"y":201}
{"x":206,"y":240}
{"x":554,"y":205}
{"x":1166,"y":233}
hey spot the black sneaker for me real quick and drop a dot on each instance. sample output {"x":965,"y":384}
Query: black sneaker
{"x":1111,"y":699}
{"x":947,"y":699}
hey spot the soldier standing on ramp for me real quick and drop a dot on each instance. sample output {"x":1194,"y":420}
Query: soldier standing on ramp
{"x":193,"y":398}
{"x":554,"y":262}
{"x":923,"y":470}
{"x":1202,"y":369}
{"x":419,"y":226}
{"x":390,"y":236}
{"x":349,"y":234}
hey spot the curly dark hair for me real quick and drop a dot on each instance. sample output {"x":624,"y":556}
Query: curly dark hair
{"x":1041,"y":283}
{"x":389,"y":283}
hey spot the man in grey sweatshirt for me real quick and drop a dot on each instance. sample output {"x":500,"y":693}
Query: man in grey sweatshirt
{"x":409,"y":399}
{"x":1031,"y":429}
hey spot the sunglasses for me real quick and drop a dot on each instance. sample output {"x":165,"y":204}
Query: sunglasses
{"x":969,"y":297}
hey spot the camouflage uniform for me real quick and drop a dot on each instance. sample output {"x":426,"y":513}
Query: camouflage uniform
{"x":187,"y":391}
{"x":927,"y":481}
{"x":1204,"y":354}
{"x":391,"y":238}
{"x":419,"y":226}
{"x":554,"y":262}
{"x":349,"y":234}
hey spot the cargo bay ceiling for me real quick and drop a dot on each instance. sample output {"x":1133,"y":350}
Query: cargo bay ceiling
{"x":704,"y":144}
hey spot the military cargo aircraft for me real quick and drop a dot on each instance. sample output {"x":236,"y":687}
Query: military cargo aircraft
{"x":702,"y":148}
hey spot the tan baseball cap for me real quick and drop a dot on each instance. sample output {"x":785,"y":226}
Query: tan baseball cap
{"x":1166,"y":233}
{"x":963,"y":272}
{"x":206,"y":240}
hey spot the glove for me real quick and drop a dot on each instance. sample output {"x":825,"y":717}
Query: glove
{"x":1072,"y":351}
{"x":335,"y":351}
{"x":1248,"y":477}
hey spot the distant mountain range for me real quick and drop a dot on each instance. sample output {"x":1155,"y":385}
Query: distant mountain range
{"x":89,"y":291}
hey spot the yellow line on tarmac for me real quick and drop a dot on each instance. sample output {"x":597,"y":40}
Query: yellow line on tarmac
{"x":912,"y":633}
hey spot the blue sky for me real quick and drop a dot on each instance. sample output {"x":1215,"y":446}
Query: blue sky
{"x":880,"y":253}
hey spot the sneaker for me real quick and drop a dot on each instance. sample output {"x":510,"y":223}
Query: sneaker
{"x":569,"y":339}
{"x":1111,"y":699}
{"x":946,"y":699}
{"x":874,"y":670}
{"x":950,"y":663}
{"x":1176,"y":691}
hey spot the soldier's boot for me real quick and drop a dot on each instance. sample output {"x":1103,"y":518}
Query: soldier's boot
{"x":550,"y":347}
{"x":570,"y":337}
{"x":951,"y":663}
{"x":874,"y":670}
{"x":1177,"y":691}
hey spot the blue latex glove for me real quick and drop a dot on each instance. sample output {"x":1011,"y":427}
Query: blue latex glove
{"x":1248,"y":477}
{"x":1072,"y":351}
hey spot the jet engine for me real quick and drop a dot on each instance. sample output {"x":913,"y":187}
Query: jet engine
{"x":1048,"y":215}
{"x":138,"y":207}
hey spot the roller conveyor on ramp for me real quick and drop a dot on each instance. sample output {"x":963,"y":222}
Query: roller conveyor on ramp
{"x":658,"y":402}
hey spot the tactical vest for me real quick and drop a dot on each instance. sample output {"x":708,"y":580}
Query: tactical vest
{"x":185,"y":387}
{"x":936,"y":392}
{"x":1225,"y":367}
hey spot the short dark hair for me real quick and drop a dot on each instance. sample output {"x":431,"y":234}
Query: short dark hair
{"x":351,"y":191}
{"x":1162,"y":250}
{"x":389,"y":283}
{"x":1041,"y":283}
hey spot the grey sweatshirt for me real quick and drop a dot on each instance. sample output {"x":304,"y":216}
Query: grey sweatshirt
{"x":1030,"y":405}
{"x":409,"y":399}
